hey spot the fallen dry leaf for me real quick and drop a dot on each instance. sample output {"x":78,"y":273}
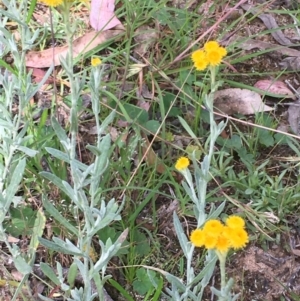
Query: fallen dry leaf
{"x":291,"y":63}
{"x":239,"y":101}
{"x":83,"y":44}
{"x":275,"y":87}
{"x":102,"y":16}
{"x":270,"y":23}
{"x":294,"y":117}
{"x":249,"y":44}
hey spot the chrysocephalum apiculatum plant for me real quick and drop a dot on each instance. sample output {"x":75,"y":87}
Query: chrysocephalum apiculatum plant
{"x":83,"y":190}
{"x":210,"y":233}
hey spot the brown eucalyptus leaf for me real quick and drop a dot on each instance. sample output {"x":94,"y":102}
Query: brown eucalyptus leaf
{"x":239,"y":101}
{"x":83,"y":44}
{"x":276,"y":88}
{"x":102,"y":16}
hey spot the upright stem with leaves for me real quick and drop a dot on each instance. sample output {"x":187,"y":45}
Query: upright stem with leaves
{"x":84,"y":191}
{"x":16,"y":88}
{"x":196,"y":186}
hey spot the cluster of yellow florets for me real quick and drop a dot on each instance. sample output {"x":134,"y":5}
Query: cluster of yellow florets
{"x":182,"y":163}
{"x":212,"y":54}
{"x":220,"y":237}
{"x":95,"y":61}
{"x":52,"y":2}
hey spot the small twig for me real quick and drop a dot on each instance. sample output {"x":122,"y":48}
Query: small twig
{"x":292,"y":88}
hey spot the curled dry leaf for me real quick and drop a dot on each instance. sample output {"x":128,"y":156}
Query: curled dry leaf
{"x":277,"y":88}
{"x":239,"y":101}
{"x":290,"y":63}
{"x":83,"y":44}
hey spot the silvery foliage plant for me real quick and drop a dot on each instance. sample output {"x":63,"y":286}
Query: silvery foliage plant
{"x":84,"y":192}
{"x":196,"y":188}
{"x":16,"y":90}
{"x":85,"y":195}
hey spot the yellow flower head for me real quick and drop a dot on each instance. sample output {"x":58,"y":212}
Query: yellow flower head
{"x":226,"y":232}
{"x":238,"y":238}
{"x":210,"y":242}
{"x":95,"y":61}
{"x":213,"y":228}
{"x":234,"y":222}
{"x":199,"y":59}
{"x":52,"y":2}
{"x":214,"y":57}
{"x":211,"y":45}
{"x":197,"y":238}
{"x":215,"y":235}
{"x":212,"y":54}
{"x":223,"y":244}
{"x":198,"y":55}
{"x":201,"y":65}
{"x":182,"y":163}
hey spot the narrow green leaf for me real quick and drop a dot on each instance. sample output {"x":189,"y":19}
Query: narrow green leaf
{"x":58,"y":217}
{"x":64,"y":157}
{"x":120,"y":288}
{"x":21,"y":265}
{"x":27,"y":151}
{"x":31,"y":10}
{"x":60,"y":132}
{"x":38,"y":229}
{"x":73,"y":271}
{"x":180,"y":234}
{"x":106,"y":122}
{"x":214,"y":213}
{"x":56,"y":181}
{"x":57,"y":248}
{"x":189,"y":130}
{"x":8,"y":67}
{"x":48,"y":271}
{"x":158,"y":290}
{"x":16,"y":178}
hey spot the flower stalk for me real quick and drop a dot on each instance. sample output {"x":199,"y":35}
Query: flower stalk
{"x":212,"y":234}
